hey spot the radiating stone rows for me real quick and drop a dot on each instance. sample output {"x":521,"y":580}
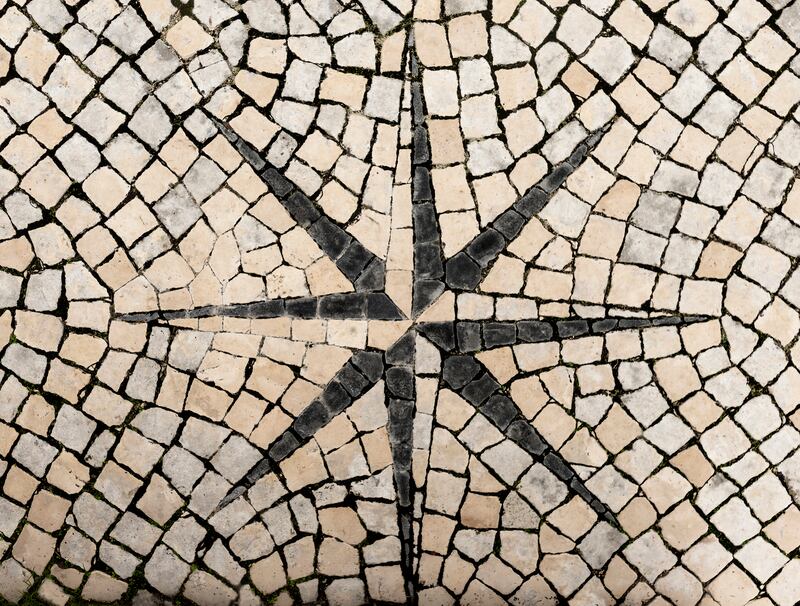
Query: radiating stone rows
{"x":474,"y":384}
{"x":360,"y":266}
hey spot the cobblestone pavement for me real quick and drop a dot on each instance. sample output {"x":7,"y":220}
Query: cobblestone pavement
{"x":405,"y":301}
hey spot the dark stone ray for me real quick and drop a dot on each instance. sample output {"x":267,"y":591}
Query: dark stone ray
{"x":401,"y":402}
{"x":344,"y":306}
{"x":473,"y":382}
{"x":469,"y":336}
{"x":359,"y":375}
{"x":428,"y":255}
{"x":465,"y":269}
{"x":366,"y":271}
{"x":468,"y":377}
{"x":352,"y":381}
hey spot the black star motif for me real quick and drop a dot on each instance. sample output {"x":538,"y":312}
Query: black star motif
{"x":433,"y":277}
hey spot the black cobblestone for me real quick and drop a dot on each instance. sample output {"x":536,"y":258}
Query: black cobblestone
{"x":500,"y":410}
{"x":526,"y":437}
{"x":462,"y":273}
{"x":400,"y":382}
{"x":486,"y":246}
{"x":496,"y":334}
{"x":480,"y":389}
{"x":301,"y":209}
{"x":457,"y":371}
{"x":469,"y":336}
{"x":533,"y":331}
{"x":283,"y":447}
{"x":311,"y":419}
{"x":369,"y":363}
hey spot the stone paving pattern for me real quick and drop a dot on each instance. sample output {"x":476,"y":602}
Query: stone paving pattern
{"x":415,"y":302}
